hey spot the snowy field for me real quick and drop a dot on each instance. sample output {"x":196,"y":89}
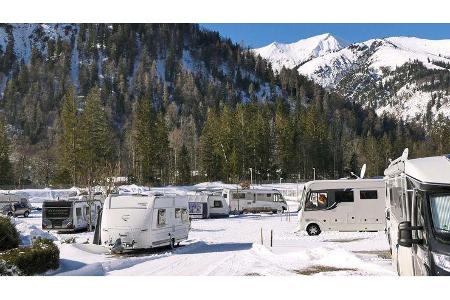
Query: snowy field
{"x":230,"y":246}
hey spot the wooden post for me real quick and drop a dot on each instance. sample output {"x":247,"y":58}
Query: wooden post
{"x":262,"y":241}
{"x":271,"y":238}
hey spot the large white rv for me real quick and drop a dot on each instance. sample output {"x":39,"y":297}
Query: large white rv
{"x":254,"y":200}
{"x":418,"y":214}
{"x":143,"y":221}
{"x":342,"y":205}
{"x":208,"y":205}
{"x":73,"y":214}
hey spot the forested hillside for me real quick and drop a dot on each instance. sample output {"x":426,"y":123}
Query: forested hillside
{"x":176,"y":104}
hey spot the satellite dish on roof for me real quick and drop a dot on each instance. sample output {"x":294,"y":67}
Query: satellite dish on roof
{"x":363,"y":171}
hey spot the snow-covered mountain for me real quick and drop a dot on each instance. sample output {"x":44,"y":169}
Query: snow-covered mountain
{"x":298,"y":53}
{"x":370,"y":72}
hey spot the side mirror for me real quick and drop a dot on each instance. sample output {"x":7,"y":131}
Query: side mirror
{"x":405,"y":234}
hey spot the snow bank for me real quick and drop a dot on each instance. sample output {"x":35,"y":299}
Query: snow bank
{"x":28,"y":232}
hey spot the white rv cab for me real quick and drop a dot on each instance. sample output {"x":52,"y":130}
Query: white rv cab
{"x":140,"y":221}
{"x":418,"y":214}
{"x":254,"y":200}
{"x":342,"y":205}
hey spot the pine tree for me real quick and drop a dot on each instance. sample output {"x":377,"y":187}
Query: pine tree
{"x":185,"y":169}
{"x":143,"y":141}
{"x":96,"y":140}
{"x":68,"y":144}
{"x":6,"y":176}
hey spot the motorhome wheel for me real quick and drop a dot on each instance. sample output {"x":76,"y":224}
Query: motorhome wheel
{"x":313,"y":229}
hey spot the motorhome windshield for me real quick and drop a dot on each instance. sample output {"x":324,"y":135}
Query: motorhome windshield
{"x":318,"y":200}
{"x":440,"y":213}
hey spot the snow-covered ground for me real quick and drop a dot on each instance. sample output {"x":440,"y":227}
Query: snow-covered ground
{"x":229,"y":246}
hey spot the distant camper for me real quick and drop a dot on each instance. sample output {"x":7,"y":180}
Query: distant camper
{"x":342,"y":205}
{"x":138,"y":221}
{"x":254,"y":200}
{"x":13,"y":205}
{"x":72,"y":214}
{"x":208,"y":205}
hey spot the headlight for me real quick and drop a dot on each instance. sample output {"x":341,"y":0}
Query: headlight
{"x":442,"y":261}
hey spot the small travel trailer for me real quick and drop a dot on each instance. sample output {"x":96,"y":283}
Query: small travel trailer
{"x":142,"y":221}
{"x":342,"y":205}
{"x":254,"y":200}
{"x":207,"y":205}
{"x":73,"y":214}
{"x":418,"y":214}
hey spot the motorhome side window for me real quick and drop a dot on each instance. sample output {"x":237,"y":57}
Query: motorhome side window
{"x":161,"y":217}
{"x":368,"y":194}
{"x":218,"y":203}
{"x":344,"y":196}
{"x":396,"y":201}
{"x":239,"y":195}
{"x":178,"y":213}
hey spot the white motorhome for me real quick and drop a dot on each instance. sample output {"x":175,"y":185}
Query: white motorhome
{"x":418,"y":214}
{"x":254,"y":200}
{"x":73,"y":214}
{"x":208,"y":205}
{"x":342,"y":205}
{"x":142,"y":221}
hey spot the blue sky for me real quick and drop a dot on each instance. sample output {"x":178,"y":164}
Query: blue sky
{"x":257,"y":35}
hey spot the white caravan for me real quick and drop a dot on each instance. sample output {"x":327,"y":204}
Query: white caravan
{"x":342,"y":205}
{"x":73,"y":214}
{"x":418,"y":214}
{"x":254,"y":200}
{"x":208,"y":205}
{"x":142,"y":221}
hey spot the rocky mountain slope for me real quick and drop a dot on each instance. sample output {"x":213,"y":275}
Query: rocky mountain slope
{"x":403,"y":76}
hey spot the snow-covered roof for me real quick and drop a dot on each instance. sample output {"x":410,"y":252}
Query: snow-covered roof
{"x":435,"y":169}
{"x":344,"y":183}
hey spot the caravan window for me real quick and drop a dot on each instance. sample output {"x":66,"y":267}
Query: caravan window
{"x":368,"y":194}
{"x":178,"y":213}
{"x":218,"y":204}
{"x":78,"y":212}
{"x":161,"y":217}
{"x":184,"y":215}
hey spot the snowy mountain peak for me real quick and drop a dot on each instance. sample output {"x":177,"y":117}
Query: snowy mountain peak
{"x":297,"y":53}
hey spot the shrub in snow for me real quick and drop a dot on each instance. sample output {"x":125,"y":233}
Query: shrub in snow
{"x":41,"y":257}
{"x":8,"y":269}
{"x":9,"y":237}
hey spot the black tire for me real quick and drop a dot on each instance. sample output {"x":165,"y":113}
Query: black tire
{"x":10,"y":214}
{"x":313,"y":229}
{"x":274,"y":211}
{"x":26,"y":214}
